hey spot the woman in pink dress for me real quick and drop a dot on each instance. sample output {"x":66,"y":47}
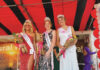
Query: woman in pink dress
{"x":27,"y":58}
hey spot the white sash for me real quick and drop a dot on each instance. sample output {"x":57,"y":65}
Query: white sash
{"x":27,"y":39}
{"x":47,"y":39}
{"x":49,"y":44}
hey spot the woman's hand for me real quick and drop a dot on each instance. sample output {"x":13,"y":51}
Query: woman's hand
{"x":58,"y":59}
{"x":23,"y":48}
{"x":21,"y":45}
{"x":47,"y":55}
{"x":62,"y":48}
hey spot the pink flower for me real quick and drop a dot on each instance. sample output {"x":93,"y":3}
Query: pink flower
{"x":19,"y":35}
{"x":63,"y":31}
{"x":70,"y":38}
{"x":41,"y":45}
{"x":63,"y":52}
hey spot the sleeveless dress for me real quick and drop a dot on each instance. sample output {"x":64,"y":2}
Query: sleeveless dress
{"x":45,"y":63}
{"x":69,"y":62}
{"x":25,"y":57}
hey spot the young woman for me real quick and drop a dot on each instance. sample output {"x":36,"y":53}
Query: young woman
{"x":68,"y":61}
{"x":26,"y":45}
{"x":49,"y":39}
{"x":27,"y":59}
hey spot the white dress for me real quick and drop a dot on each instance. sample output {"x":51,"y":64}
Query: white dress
{"x":69,"y":62}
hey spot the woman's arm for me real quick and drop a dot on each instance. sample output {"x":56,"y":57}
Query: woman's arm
{"x":53,"y":41}
{"x":74,"y":35}
{"x":55,"y":52}
{"x":58,"y":40}
{"x":34,"y":40}
{"x":88,"y":51}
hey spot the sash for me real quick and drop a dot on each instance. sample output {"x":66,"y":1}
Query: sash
{"x":67,"y":38}
{"x":27,"y":39}
{"x":49,"y":44}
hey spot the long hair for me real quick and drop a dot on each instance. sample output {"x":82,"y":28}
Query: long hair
{"x":29,"y":22}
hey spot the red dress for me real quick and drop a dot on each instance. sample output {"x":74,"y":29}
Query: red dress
{"x":25,"y":57}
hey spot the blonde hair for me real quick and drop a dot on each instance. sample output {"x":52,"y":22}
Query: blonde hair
{"x":29,"y":22}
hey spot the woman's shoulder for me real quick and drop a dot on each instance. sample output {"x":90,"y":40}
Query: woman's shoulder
{"x":72,"y":28}
{"x":53,"y":30}
{"x":59,"y":29}
{"x":32,"y":34}
{"x":86,"y":48}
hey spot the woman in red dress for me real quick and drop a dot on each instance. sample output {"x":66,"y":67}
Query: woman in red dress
{"x":27,"y":58}
{"x":27,"y":46}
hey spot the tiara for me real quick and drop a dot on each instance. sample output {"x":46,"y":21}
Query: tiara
{"x":61,"y":15}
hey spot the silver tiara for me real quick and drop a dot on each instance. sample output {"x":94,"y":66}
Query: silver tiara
{"x":27,"y":21}
{"x":60,"y":15}
{"x":47,"y":18}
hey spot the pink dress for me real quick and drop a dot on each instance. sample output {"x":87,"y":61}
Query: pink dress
{"x":24,"y":58}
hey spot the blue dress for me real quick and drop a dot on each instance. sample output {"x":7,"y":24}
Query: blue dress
{"x":87,"y":59}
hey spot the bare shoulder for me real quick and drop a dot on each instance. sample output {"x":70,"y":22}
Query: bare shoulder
{"x":57,"y":30}
{"x":32,"y":34}
{"x":53,"y":31}
{"x":72,"y":27}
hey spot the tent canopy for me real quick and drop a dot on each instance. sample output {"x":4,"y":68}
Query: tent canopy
{"x":13,"y":14}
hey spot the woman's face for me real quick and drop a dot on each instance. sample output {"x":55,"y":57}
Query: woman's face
{"x":27,"y":26}
{"x":61,"y":21}
{"x":47,"y":25}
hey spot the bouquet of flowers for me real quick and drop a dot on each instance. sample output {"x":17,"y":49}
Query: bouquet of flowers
{"x":39,"y":40}
{"x":19,"y":40}
{"x":39,"y":47}
{"x":68,"y":43}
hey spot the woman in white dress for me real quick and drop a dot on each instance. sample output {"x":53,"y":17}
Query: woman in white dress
{"x":68,"y":61}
